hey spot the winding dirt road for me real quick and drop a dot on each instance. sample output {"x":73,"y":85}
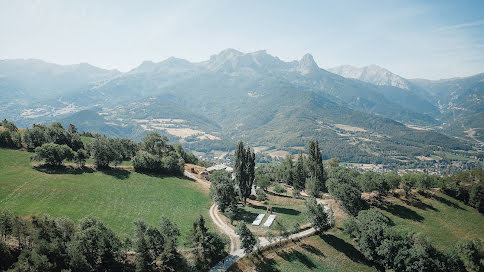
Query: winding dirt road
{"x":235,"y":250}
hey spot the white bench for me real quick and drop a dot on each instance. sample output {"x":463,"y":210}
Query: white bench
{"x":258,"y":219}
{"x":269,"y":220}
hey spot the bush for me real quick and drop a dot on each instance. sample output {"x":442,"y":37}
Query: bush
{"x":261,"y":196}
{"x":53,"y":154}
{"x":279,"y":189}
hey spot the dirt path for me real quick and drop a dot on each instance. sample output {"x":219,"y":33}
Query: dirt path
{"x":235,"y":251}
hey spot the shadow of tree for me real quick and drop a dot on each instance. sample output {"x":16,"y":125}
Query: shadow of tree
{"x":277,"y":194}
{"x":244,"y":215}
{"x":116,"y":173}
{"x":277,"y":209}
{"x":402,"y":212}
{"x":448,"y":202}
{"x":417,"y":203}
{"x":294,"y":255}
{"x":342,"y":246}
{"x":312,"y":249}
{"x":55,"y":170}
{"x":266,"y":265}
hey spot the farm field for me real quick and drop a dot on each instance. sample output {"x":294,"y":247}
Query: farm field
{"x":118,"y":197}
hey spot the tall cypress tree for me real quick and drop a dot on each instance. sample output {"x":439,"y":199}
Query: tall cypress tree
{"x":300,"y":175}
{"x":244,"y":168}
{"x":315,"y":166}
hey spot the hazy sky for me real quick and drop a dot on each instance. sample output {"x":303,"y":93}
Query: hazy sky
{"x":427,"y":39}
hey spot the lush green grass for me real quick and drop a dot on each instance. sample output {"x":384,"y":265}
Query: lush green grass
{"x":444,"y":220}
{"x":441,"y":218}
{"x":118,"y":197}
{"x":289,"y":211}
{"x":85,"y":140}
{"x":329,"y":252}
{"x":457,"y":157}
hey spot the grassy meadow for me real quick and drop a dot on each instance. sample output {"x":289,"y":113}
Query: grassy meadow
{"x":118,"y":197}
{"x":330,"y":252}
{"x":287,"y":209}
{"x":444,"y":220}
{"x":441,"y":218}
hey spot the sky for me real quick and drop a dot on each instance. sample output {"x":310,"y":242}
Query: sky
{"x":414,"y":39}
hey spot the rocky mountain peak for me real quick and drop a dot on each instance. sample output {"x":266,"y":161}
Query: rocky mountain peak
{"x":307,"y":64}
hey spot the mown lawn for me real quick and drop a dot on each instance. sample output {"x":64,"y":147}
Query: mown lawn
{"x":118,"y":197}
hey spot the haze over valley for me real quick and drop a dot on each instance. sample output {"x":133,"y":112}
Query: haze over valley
{"x":273,"y":105}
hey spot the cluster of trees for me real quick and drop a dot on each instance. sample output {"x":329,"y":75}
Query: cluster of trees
{"x":9,"y":135}
{"x":306,"y":174}
{"x":41,"y":134}
{"x":468,"y":187}
{"x":58,"y":244}
{"x":207,"y":248}
{"x":397,"y":251}
{"x":55,"y":144}
{"x":346,"y":185}
{"x":106,"y":151}
{"x":157,"y":156}
{"x":225,"y":191}
{"x":244,"y":169}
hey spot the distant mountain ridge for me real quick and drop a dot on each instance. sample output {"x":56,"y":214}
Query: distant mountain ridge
{"x":373,"y":74}
{"x":254,"y":96}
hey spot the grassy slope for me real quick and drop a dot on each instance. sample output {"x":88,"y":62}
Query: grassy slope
{"x":288,"y":210}
{"x":444,"y":220}
{"x":330,"y":252}
{"x":117,"y":197}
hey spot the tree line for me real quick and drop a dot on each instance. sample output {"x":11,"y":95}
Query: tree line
{"x":55,"y":144}
{"x":58,"y":244}
{"x":392,"y":250}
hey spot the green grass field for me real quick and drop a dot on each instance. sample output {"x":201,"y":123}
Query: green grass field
{"x":118,"y":197}
{"x":441,"y":218}
{"x":444,"y":220}
{"x":331,"y":252}
{"x":288,"y":211}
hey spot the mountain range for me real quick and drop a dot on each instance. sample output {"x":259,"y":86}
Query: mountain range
{"x":359,"y":114}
